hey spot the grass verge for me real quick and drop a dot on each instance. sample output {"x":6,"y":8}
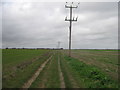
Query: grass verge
{"x":89,"y":75}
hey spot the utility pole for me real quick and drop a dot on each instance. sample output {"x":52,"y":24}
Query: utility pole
{"x":59,"y":44}
{"x":70,"y":20}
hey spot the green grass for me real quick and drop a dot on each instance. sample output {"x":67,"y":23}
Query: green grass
{"x":49,"y":77}
{"x":53,"y":80}
{"x":15,"y":56}
{"x":66,"y":72}
{"x":90,"y":76}
{"x":11,"y":58}
{"x":85,"y":69}
{"x":106,"y":60}
{"x":15,"y":78}
{"x":38,"y":81}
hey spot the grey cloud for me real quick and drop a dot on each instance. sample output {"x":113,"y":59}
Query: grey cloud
{"x":42,"y":25}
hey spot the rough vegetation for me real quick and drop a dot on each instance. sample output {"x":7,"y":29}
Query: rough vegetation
{"x":85,"y":69}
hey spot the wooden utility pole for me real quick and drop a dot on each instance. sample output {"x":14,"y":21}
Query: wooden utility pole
{"x":59,"y":44}
{"x":70,"y":20}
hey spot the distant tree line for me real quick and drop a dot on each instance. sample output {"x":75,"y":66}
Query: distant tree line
{"x":36,"y":48}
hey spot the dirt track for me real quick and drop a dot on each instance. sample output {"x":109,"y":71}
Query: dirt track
{"x":33,"y":78}
{"x":61,"y":74}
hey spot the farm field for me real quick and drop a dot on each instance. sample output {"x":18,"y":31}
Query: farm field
{"x":25,"y":68}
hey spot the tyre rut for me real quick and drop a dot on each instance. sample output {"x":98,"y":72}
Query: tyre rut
{"x":61,"y":74}
{"x":36,"y":74}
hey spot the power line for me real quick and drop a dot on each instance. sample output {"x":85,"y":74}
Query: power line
{"x":70,"y":20}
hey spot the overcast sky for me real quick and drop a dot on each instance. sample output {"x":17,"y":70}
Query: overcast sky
{"x":41,"y":24}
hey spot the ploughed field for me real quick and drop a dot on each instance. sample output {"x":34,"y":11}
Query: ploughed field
{"x":27,"y":68}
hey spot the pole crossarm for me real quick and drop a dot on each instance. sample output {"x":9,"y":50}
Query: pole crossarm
{"x":70,"y":6}
{"x":74,"y":19}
